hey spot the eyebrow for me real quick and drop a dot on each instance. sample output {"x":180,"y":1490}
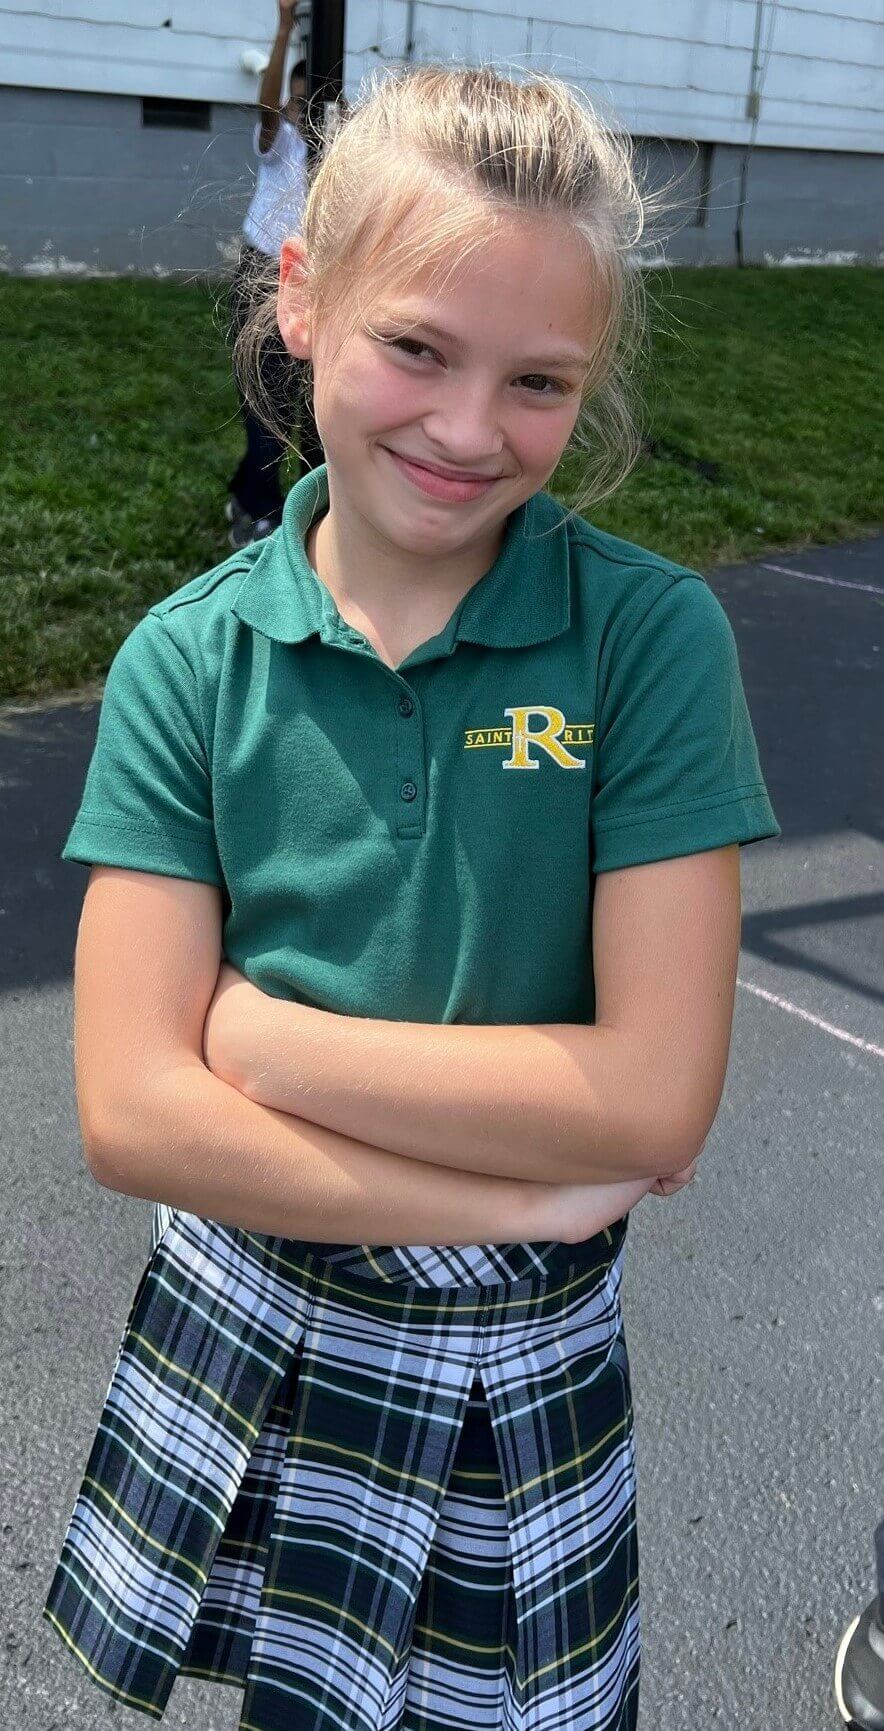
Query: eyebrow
{"x":562,"y":358}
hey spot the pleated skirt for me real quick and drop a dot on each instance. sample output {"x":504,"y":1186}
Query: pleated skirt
{"x":375,"y":1489}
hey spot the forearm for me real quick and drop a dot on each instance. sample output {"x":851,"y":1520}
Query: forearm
{"x":271,"y":81}
{"x":195,"y":1143}
{"x":559,"y":1102}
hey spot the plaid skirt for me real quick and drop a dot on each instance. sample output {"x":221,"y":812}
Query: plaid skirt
{"x":377,"y":1489}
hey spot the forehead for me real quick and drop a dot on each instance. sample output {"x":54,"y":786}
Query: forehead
{"x":531,"y":279}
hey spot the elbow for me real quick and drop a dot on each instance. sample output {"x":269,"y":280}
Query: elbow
{"x":132,"y":1143}
{"x":102,"y":1170}
{"x":669,"y":1142}
{"x":667,"y":1101}
{"x":109,"y":1157}
{"x":116,"y":1148}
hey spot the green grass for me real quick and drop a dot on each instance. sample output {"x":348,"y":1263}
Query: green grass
{"x":119,"y":429}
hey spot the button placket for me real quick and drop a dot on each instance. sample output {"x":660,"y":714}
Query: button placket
{"x":411,"y":790}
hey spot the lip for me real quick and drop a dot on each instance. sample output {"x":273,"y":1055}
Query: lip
{"x":455,"y":486}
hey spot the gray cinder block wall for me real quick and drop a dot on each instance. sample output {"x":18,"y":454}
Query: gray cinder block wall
{"x":86,"y":187}
{"x":802,"y":206}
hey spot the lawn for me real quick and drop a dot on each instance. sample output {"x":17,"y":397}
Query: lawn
{"x":119,"y":429}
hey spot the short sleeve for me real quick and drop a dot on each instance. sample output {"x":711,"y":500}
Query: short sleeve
{"x":147,"y":800}
{"x":677,"y":767}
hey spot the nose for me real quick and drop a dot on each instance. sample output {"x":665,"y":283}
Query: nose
{"x":463,"y":424}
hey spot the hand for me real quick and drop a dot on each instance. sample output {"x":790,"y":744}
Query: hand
{"x":669,"y":1182}
{"x":287,"y":13}
{"x":570,"y":1213}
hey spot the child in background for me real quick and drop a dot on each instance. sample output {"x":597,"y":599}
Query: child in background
{"x":254,"y":505}
{"x":406,"y":968}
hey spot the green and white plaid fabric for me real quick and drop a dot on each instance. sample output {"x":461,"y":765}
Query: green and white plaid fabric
{"x":371,"y":1501}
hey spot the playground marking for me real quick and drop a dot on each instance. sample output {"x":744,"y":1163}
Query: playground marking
{"x":813,"y":577}
{"x":817,"y":1021}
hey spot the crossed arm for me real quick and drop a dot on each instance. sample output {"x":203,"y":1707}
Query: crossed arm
{"x":633,"y":1095}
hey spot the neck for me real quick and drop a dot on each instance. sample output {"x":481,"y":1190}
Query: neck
{"x":397,"y":599}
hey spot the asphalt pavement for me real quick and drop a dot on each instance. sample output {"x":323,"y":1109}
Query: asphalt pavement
{"x":753,"y":1299}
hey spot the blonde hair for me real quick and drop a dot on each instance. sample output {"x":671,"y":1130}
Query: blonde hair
{"x":417,"y":175}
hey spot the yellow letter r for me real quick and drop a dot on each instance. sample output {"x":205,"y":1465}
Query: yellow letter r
{"x":547,"y":738}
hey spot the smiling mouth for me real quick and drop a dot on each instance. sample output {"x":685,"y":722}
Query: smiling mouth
{"x":447,"y":474}
{"x":458,"y":485}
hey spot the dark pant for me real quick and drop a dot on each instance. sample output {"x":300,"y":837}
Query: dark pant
{"x":255,"y":485}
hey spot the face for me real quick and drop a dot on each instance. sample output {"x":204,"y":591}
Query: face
{"x":297,"y":97}
{"x":448,"y":408}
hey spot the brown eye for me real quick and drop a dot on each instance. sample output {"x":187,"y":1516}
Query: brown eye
{"x":408,"y":346}
{"x":536,"y":382}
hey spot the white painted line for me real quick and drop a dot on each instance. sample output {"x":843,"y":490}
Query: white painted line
{"x":827,"y":1027}
{"x":812,"y":577}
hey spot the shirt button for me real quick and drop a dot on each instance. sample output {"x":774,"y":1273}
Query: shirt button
{"x":406,"y":707}
{"x":408,"y":791}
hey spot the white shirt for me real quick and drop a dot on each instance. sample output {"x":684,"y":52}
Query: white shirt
{"x":277,"y":205}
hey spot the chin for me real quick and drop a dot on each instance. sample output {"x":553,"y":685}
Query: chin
{"x":416,"y":537}
{"x":436,"y":532}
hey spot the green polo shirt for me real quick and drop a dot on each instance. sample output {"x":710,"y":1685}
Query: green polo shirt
{"x":420,"y":843}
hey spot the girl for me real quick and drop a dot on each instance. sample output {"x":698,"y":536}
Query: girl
{"x":406,"y":967}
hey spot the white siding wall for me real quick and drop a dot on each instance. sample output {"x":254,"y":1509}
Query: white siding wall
{"x":183,"y":48}
{"x":679,"y":70}
{"x":674,"y":70}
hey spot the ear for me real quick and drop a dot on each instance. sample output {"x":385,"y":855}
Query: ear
{"x":292,"y":312}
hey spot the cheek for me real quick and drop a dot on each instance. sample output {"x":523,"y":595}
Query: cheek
{"x":540,"y":437}
{"x":369,"y":395}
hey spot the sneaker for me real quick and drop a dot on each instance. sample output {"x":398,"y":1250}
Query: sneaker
{"x":243,"y":528}
{"x":239,"y":534}
{"x":859,"y":1664}
{"x":262,"y":526}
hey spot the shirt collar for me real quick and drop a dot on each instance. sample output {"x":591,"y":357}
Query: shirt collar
{"x":524,"y":598}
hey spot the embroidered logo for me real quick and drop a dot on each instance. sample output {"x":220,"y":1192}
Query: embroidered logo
{"x":522,"y":739}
